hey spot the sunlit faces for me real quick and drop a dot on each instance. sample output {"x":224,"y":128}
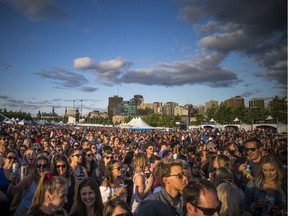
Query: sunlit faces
{"x":30,"y":156}
{"x":117,"y":169}
{"x":77,"y":156}
{"x":42,"y":166}
{"x":10,"y":158}
{"x":58,"y":198}
{"x":107,"y":158}
{"x":208,"y":200}
{"x":176,"y":180}
{"x":61,"y":168}
{"x":253,"y":151}
{"x":269,"y":171}
{"x":89,"y":156}
{"x":87,"y":196}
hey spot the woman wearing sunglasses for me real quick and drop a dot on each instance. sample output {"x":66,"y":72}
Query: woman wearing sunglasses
{"x":89,"y":201}
{"x":112,"y":186}
{"x":7,"y":180}
{"x":117,"y":207}
{"x":75,"y":159}
{"x":99,"y":172}
{"x":88,"y":161}
{"x":60,"y":167}
{"x":24,"y":190}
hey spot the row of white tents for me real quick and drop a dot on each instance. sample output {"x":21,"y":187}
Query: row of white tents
{"x":137,"y":123}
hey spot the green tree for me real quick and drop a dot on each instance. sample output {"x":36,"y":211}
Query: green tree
{"x":278,"y":109}
{"x":211,"y":112}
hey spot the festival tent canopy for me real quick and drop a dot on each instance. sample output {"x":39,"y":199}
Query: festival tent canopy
{"x":138,"y":123}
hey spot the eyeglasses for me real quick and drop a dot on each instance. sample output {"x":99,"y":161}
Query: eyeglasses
{"x":209,"y":211}
{"x":179,"y":175}
{"x":76,"y":146}
{"x":111,"y":158}
{"x":118,"y":168}
{"x":251,"y":149}
{"x":44,"y":166}
{"x":77,"y":155}
{"x":88,"y":155}
{"x":59,"y":166}
{"x":151,"y":148}
{"x":11,"y":158}
{"x":125,"y":214}
{"x":37,"y":149}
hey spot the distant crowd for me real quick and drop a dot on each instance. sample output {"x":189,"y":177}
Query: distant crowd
{"x":97,"y":171}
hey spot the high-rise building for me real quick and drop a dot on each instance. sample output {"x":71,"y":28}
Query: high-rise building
{"x":168,"y":108}
{"x":112,"y":105}
{"x":235,"y":101}
{"x":257,"y":103}
{"x":137,"y":100}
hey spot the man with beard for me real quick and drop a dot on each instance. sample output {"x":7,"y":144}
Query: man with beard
{"x":253,"y":149}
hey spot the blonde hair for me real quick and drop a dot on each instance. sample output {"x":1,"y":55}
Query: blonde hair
{"x":232,"y":198}
{"x":47,"y":183}
{"x":141,"y":161}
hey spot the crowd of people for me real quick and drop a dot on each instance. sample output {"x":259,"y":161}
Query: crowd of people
{"x":68,"y":170}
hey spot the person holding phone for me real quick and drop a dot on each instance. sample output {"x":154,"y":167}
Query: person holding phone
{"x":142,"y":181}
{"x":112,"y":186}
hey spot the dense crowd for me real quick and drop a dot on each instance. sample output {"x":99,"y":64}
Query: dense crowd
{"x":68,"y":170}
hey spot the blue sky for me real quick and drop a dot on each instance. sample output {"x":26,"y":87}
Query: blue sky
{"x":186,"y":51}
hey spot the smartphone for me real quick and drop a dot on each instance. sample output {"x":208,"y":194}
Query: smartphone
{"x":147,"y":174}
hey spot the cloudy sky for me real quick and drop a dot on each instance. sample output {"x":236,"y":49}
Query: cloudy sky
{"x":186,"y":51}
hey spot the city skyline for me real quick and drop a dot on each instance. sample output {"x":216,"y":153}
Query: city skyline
{"x":188,"y":52}
{"x":206,"y":104}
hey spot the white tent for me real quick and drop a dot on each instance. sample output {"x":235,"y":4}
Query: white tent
{"x":139,"y":123}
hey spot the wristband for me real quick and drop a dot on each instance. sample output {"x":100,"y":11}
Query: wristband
{"x":148,"y":187}
{"x":248,"y":175}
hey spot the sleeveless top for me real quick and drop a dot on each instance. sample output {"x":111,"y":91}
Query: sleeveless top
{"x":4,"y":182}
{"x":80,"y":176}
{"x":135,"y":200}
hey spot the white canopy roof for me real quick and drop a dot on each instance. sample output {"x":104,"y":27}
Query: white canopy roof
{"x":139,"y":123}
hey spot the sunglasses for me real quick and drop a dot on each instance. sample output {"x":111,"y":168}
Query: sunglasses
{"x":37,"y":149}
{"x":77,"y":155}
{"x":88,"y":155}
{"x":125,"y":214}
{"x":11,"y":158}
{"x":209,"y":211}
{"x":93,"y":147}
{"x":118,"y":168}
{"x":111,"y":158}
{"x":151,"y":148}
{"x":44,"y":166}
{"x":179,"y":175}
{"x":4,"y":138}
{"x":251,"y":149}
{"x":59,"y":166}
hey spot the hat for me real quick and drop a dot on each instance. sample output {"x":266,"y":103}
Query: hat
{"x":211,"y":145}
